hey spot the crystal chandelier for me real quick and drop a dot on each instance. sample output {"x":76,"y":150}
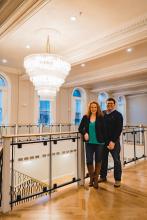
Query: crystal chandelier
{"x":47,"y":73}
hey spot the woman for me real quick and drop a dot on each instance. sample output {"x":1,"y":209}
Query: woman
{"x":92,"y":129}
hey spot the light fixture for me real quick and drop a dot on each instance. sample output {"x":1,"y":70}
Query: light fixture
{"x":28,"y":46}
{"x":129,"y":50}
{"x":73,"y":18}
{"x":47,"y":71}
{"x":4,"y":61}
{"x":83,"y":65}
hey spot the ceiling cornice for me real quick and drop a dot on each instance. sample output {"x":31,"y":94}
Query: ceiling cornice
{"x":133,"y":31}
{"x":121,"y":86}
{"x":131,"y":92}
{"x":23,"y":12}
{"x":10,"y":70}
{"x":116,"y":71}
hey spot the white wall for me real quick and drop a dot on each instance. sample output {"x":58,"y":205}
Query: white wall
{"x":62,"y":163}
{"x":64,"y":104}
{"x":137,"y":109}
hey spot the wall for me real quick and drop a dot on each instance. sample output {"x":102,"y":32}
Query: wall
{"x":137,"y":109}
{"x":21,"y":102}
{"x":26,"y":103}
{"x":64,"y":104}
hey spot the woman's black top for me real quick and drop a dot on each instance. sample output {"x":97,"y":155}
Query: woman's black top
{"x":99,"y":127}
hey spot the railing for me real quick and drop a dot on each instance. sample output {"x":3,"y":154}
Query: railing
{"x":136,"y":145}
{"x":138,"y":130}
{"x":33,"y":129}
{"x":1,"y":168}
{"x":24,"y":187}
{"x":133,"y":146}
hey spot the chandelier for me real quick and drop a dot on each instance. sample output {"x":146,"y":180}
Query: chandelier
{"x":47,"y":73}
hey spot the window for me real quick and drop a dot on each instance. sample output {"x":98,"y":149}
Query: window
{"x":2,"y":81}
{"x":1,"y":108}
{"x":121,"y":105}
{"x":44,"y":116}
{"x":77,"y":106}
{"x":102,"y":100}
{"x":4,"y":100}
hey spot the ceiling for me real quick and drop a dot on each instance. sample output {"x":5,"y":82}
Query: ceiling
{"x":99,"y":37}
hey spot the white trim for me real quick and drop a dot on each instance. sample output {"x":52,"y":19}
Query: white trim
{"x":124,"y":69}
{"x":10,"y":70}
{"x":124,"y":107}
{"x":22,"y":13}
{"x":127,"y":85}
{"x":8,"y":100}
{"x":115,"y":40}
{"x":83,"y":99}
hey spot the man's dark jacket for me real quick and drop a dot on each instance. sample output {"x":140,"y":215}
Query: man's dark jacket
{"x":113,"y":125}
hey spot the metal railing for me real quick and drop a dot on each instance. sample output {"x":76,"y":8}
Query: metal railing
{"x":1,"y":168}
{"x":24,"y":187}
{"x":33,"y":129}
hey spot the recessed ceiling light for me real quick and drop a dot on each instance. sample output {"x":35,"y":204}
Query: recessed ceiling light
{"x":28,"y":46}
{"x":83,"y":65}
{"x":4,"y":61}
{"x":129,"y":50}
{"x":73,"y":18}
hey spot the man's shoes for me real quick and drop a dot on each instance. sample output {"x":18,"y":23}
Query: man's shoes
{"x":102,"y":180}
{"x":117,"y":183}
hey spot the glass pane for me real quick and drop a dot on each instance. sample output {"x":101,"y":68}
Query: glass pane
{"x":77,"y":111}
{"x":102,"y":100}
{"x":2,"y":81}
{"x":0,"y":107}
{"x":76,"y":93}
{"x":121,"y":105}
{"x":44,"y":112}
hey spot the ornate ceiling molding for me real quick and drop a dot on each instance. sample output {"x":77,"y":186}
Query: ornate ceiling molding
{"x":131,"y":92}
{"x":133,"y":31}
{"x":14,"y":13}
{"x":114,"y":72}
{"x":121,"y":86}
{"x":10,"y":70}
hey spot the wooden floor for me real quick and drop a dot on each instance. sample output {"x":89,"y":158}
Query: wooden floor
{"x":129,"y":202}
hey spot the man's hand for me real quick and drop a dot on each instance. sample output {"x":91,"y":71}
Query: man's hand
{"x":86,"y":136}
{"x":111,"y":145}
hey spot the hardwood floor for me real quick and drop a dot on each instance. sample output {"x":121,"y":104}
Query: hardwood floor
{"x":129,"y":202}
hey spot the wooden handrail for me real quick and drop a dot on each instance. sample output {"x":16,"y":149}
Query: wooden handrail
{"x":38,"y":134}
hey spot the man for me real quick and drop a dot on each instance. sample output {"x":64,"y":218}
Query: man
{"x":113,"y":121}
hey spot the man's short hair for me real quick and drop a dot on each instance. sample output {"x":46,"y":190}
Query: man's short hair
{"x":111,"y":99}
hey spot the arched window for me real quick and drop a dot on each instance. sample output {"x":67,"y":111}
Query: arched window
{"x":121,"y":106}
{"x":78,"y":105}
{"x":102,"y":97}
{"x":3,"y":100}
{"x":2,"y":81}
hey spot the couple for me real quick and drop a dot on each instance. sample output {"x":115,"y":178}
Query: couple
{"x":101,"y":132}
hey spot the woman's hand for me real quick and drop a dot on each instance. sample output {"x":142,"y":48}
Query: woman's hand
{"x":111,"y":145}
{"x":86,"y":136}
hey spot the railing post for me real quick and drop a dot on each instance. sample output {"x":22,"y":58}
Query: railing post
{"x":140,"y":134}
{"x":145,"y":142}
{"x":6,"y":176}
{"x":81,"y":159}
{"x":122,"y":149}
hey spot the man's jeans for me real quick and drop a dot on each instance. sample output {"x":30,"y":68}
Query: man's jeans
{"x":117,"y":163}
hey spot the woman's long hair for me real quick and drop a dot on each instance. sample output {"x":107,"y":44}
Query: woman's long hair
{"x":99,"y":113}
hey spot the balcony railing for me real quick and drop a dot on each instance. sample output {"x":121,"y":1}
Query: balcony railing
{"x":51,"y":150}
